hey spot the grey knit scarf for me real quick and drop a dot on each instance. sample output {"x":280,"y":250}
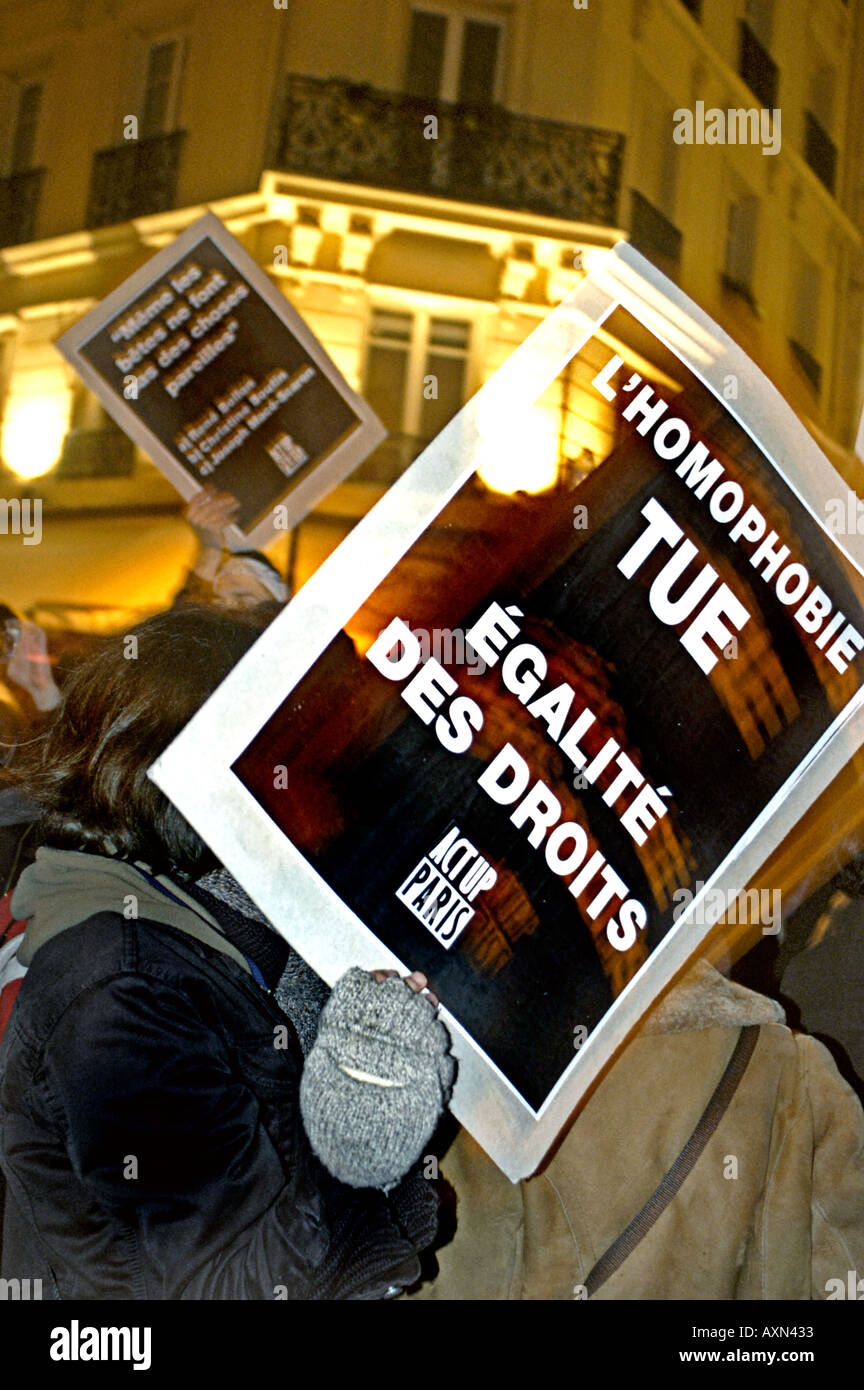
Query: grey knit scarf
{"x":299,"y":992}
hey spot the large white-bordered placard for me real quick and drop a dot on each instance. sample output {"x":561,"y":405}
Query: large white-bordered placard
{"x":196,"y":772}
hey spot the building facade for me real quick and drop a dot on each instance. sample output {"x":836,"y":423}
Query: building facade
{"x":423,"y":179}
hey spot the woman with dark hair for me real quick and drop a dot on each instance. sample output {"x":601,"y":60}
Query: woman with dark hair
{"x":156,"y":1107}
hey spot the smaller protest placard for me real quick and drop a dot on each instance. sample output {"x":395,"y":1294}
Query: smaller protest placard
{"x":205,"y":364}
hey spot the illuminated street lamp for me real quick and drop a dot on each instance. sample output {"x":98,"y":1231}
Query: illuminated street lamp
{"x":35,"y":424}
{"x":521,"y":459}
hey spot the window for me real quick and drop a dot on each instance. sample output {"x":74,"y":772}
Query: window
{"x":652,"y":233}
{"x":138,"y":175}
{"x":21,"y":182}
{"x":655,"y":174}
{"x":454,"y":55}
{"x":755,"y":63}
{"x":445,"y":370}
{"x":426,"y":44}
{"x":820,"y":151}
{"x":741,"y":235}
{"x":387,"y":362}
{"x":806,"y":300}
{"x":655,"y":154}
{"x":416,"y":370}
{"x":161,"y":88}
{"x":26,"y":121}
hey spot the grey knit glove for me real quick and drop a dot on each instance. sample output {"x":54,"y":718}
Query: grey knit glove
{"x":376,"y":1081}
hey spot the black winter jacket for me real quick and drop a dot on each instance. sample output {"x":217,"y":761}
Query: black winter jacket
{"x":151,"y":1137}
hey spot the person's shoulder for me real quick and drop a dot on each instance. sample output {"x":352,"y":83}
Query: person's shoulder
{"x":704,"y":998}
{"x":86,"y":959}
{"x":78,"y":952}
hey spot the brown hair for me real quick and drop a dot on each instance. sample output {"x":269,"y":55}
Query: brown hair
{"x":121,"y":708}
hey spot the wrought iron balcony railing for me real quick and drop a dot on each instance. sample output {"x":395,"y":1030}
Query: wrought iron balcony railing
{"x":652,"y":233}
{"x":19,"y":202}
{"x":134,"y":179}
{"x":757,"y":68}
{"x":820,"y":151}
{"x":101,"y":453}
{"x":480,"y":154}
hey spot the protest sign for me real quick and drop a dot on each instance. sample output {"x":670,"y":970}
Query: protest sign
{"x":534,"y":745}
{"x":204,"y":363}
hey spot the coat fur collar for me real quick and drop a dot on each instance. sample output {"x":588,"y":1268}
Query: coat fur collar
{"x":703,"y":998}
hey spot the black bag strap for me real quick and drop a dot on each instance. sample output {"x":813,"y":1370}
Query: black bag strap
{"x":670,"y":1186}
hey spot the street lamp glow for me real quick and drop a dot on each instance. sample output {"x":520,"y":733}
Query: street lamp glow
{"x":34,"y":428}
{"x":523,"y":459}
